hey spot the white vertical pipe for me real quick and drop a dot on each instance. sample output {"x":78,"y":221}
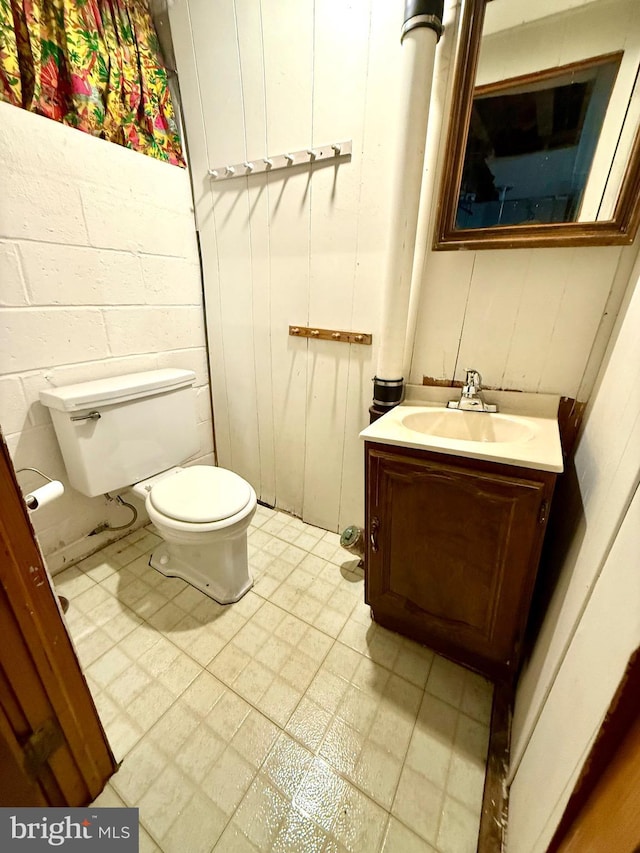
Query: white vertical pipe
{"x":441,"y":98}
{"x":418,"y":56}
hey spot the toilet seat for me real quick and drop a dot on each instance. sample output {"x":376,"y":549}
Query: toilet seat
{"x":201,"y":494}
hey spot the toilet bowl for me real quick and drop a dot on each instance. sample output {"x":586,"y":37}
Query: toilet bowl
{"x":202,"y":513}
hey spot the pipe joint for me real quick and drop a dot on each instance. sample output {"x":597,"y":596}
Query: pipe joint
{"x":423,"y":13}
{"x":387,"y":393}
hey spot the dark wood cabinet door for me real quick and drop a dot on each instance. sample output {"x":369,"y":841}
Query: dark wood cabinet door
{"x":453,"y":552}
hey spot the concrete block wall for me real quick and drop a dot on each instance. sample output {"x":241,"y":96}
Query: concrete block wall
{"x":99,"y":276}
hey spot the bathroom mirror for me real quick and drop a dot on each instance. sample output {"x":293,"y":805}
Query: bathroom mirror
{"x":543,"y":146}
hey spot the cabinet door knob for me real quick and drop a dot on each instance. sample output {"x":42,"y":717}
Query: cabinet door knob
{"x":542,"y":515}
{"x":375,"y":526}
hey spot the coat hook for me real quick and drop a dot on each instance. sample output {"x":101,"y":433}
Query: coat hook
{"x":286,"y":160}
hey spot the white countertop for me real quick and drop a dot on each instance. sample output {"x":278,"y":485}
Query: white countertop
{"x":534,"y":414}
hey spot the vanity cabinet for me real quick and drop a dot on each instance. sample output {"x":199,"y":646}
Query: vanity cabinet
{"x":453,"y":547}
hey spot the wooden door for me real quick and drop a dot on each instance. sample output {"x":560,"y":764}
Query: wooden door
{"x":610,"y":820}
{"x":53,"y":750}
{"x":455,"y":551}
{"x":603,"y":813}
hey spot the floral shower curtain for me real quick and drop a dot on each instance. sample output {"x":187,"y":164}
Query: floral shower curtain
{"x":91,"y":64}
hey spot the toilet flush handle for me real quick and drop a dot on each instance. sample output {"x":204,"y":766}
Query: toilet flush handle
{"x":92,"y":416}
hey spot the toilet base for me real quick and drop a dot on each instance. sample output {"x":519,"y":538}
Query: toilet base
{"x":220,"y":571}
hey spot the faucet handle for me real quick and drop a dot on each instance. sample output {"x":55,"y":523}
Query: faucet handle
{"x":473,"y":379}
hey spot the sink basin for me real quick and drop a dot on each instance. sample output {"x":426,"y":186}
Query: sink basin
{"x":523,"y":433}
{"x":469,"y":426}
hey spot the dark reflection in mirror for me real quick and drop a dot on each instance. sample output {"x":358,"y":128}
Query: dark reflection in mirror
{"x":531,"y":145}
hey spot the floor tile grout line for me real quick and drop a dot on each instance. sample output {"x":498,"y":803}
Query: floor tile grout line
{"x":461,"y":716}
{"x":264,"y":599}
{"x":286,"y":611}
{"x":404,"y":760}
{"x":171,"y":761}
{"x":282,"y":728}
{"x":185,"y":651}
{"x":350,"y":780}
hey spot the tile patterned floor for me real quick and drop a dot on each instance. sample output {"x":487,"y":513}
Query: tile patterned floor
{"x":288,"y":721}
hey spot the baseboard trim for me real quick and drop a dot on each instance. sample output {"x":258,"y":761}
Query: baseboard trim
{"x":495,"y":800}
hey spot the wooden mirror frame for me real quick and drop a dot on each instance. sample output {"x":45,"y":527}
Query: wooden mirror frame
{"x":618,"y":231}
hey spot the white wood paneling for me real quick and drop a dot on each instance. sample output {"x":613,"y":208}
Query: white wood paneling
{"x":493,"y":305}
{"x":182,"y":35}
{"x":608,"y":634}
{"x":536,"y":320}
{"x":583,"y":302}
{"x":619,"y":287}
{"x":327,"y":374}
{"x":250,"y":48}
{"x":306,"y":246}
{"x":231,"y":208}
{"x":526,"y":319}
{"x":377,"y":148}
{"x":231,"y":307}
{"x":288,"y":69}
{"x":310,"y":245}
{"x":607,"y":466}
{"x":341,"y":39}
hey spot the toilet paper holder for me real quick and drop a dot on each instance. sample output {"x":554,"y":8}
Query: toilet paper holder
{"x":30,"y":501}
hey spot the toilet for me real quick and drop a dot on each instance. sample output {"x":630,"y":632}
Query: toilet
{"x":134,"y":431}
{"x":202,"y":513}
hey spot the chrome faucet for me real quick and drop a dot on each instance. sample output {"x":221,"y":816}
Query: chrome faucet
{"x":471,"y":396}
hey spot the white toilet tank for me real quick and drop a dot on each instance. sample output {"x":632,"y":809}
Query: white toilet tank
{"x":114,"y":432}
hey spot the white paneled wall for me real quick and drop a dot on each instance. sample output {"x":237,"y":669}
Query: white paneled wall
{"x":310,"y":247}
{"x":99,"y":276}
{"x":303,"y":247}
{"x":592,"y":625}
{"x":528,"y":320}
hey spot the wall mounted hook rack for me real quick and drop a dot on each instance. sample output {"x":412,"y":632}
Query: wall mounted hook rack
{"x":332,"y":151}
{"x":330,"y":335}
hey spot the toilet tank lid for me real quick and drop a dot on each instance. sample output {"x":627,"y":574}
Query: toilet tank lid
{"x":115,"y":389}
